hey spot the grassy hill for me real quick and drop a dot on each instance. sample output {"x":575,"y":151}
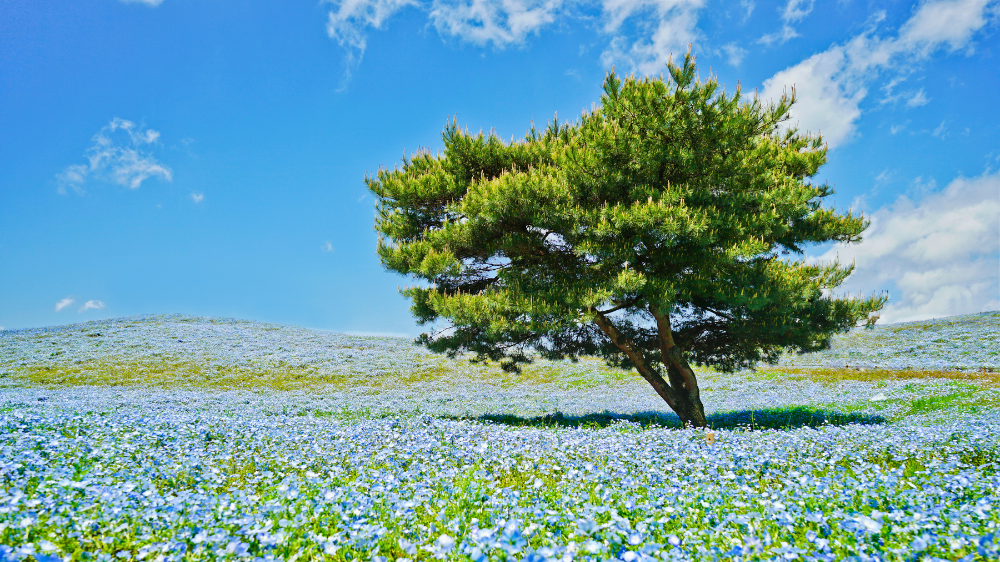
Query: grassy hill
{"x":953,"y":360}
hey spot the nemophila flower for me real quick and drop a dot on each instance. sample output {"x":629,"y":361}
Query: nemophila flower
{"x":444,"y":544}
{"x":255,"y":476}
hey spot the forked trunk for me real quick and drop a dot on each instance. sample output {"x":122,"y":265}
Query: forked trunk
{"x":681,"y":392}
{"x":687,"y":402}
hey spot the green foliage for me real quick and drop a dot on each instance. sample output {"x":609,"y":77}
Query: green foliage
{"x":671,"y":195}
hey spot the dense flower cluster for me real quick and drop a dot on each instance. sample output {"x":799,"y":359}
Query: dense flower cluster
{"x":956,"y":342}
{"x":155,"y":483}
{"x":413,"y":458}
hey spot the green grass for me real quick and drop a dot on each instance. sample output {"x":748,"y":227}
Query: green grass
{"x":831,"y":375}
{"x":167,"y":371}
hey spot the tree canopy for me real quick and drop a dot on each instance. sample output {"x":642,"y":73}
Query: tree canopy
{"x":665,"y":226}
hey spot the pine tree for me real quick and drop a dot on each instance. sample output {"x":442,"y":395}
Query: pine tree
{"x":663,"y":228}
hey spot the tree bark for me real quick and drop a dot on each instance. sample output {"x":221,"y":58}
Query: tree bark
{"x":680,"y":374}
{"x":681,"y":393}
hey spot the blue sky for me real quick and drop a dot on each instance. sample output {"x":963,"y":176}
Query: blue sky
{"x":208,"y":157}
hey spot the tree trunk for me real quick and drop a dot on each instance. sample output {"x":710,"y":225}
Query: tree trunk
{"x":687,"y":401}
{"x":681,"y":375}
{"x":681,"y":392}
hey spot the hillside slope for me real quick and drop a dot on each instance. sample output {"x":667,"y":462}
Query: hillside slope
{"x":968,"y":342}
{"x":170,"y":356}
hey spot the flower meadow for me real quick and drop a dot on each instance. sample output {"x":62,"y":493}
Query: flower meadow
{"x":182,"y":438}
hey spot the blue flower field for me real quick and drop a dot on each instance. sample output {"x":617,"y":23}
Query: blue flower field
{"x":183,"y":438}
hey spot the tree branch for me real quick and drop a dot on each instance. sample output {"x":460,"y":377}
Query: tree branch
{"x":718,"y":313}
{"x":617,"y":308}
{"x":635,"y":355}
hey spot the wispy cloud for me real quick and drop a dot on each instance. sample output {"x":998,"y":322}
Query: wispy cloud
{"x":734,"y":53}
{"x":68,"y":301}
{"x":642,"y":34}
{"x":918,"y":99}
{"x":349,"y":20}
{"x":120,"y":154}
{"x":794,"y":11}
{"x":783,"y":35}
{"x":645,"y":33}
{"x":831,"y":85}
{"x":197,"y":197}
{"x":482,"y":22}
{"x":327,"y":247}
{"x":91,"y":305}
{"x":941,"y":253}
{"x":500,"y":22}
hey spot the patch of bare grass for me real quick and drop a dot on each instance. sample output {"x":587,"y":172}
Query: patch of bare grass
{"x":169,"y":372}
{"x":984,"y":377}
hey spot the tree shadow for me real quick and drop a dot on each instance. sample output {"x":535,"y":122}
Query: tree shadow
{"x":766,"y":418}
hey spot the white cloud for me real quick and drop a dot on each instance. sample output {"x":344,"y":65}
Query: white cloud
{"x":734,"y":53}
{"x":922,"y":187}
{"x":643,"y":33}
{"x":918,"y":99}
{"x":942,"y":253}
{"x":91,"y":304}
{"x":151,"y":3}
{"x":197,"y":197}
{"x":501,"y":22}
{"x":661,"y":28}
{"x":823,"y":104}
{"x":885,"y":176}
{"x":945,"y":21}
{"x":941,"y":131}
{"x":795,"y":10}
{"x":783,"y":35}
{"x":831,"y":85}
{"x":349,"y":20}
{"x":120,"y":154}
{"x":64,"y":303}
{"x":327,"y":247}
